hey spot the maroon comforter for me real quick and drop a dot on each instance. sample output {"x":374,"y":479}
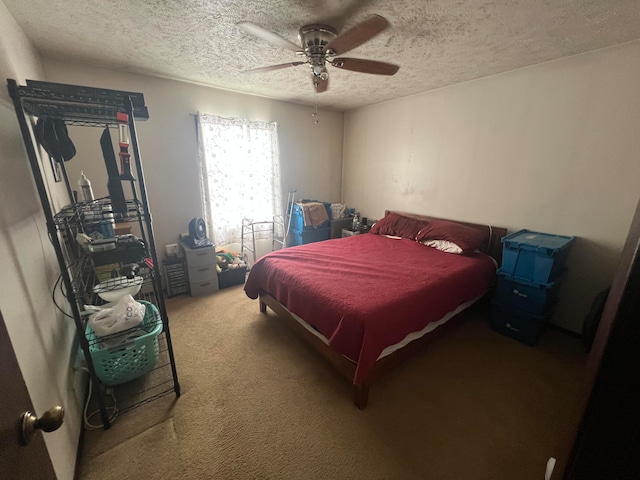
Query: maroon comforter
{"x":366,"y":292}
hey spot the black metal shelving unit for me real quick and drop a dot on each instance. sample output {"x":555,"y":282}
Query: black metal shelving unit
{"x":81,"y":268}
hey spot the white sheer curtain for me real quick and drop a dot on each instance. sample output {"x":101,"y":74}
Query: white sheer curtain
{"x":240,"y":167}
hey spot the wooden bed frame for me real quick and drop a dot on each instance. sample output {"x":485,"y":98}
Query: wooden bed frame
{"x":346,"y":366}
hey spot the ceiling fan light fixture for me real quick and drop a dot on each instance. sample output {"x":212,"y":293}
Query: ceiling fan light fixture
{"x":317,"y":69}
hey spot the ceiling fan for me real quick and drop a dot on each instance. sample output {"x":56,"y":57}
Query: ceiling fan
{"x":320,"y":44}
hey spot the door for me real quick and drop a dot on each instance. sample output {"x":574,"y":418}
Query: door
{"x":17,"y":461}
{"x":604,"y":441}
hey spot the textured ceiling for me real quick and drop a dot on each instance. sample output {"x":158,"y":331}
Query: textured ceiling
{"x":435,"y":42}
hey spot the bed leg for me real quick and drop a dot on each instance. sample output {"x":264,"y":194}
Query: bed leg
{"x":360,"y":395}
{"x":263,"y":307}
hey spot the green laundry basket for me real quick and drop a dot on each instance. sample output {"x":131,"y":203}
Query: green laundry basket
{"x":129,"y":354}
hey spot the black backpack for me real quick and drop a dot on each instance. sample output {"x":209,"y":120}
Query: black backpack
{"x":52,"y":134}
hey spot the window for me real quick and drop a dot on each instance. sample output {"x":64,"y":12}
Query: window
{"x":240,"y":174}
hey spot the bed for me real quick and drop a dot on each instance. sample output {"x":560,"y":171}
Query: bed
{"x":368,"y":302}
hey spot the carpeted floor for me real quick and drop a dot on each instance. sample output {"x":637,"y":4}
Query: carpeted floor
{"x":257,"y":403}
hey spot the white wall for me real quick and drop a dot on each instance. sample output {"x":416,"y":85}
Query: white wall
{"x":551,"y":148}
{"x":310,"y":155}
{"x":42,"y":338}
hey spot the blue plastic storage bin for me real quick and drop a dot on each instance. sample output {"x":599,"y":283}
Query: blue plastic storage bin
{"x":518,"y":325}
{"x":529,"y":297}
{"x":534,"y":256}
{"x":308,"y":236}
{"x":297,"y":218}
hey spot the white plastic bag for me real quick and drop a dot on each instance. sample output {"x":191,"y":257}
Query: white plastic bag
{"x":337,"y":210}
{"x":127,"y":313}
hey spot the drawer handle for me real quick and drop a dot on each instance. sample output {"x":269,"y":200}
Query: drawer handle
{"x":205,"y":284}
{"x":203,"y":269}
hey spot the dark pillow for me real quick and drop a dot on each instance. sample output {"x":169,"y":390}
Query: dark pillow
{"x":467,"y":238}
{"x":398,"y":226}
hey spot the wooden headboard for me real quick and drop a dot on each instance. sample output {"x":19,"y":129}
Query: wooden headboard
{"x":495,"y":234}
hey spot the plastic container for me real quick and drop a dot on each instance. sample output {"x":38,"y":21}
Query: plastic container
{"x":308,"y":236}
{"x":127,"y":355}
{"x":355,"y":222}
{"x":529,"y":297}
{"x":297,"y":218}
{"x":337,"y":211}
{"x":336,"y":226}
{"x":98,"y":221}
{"x":231,"y":277}
{"x":518,"y":325}
{"x":86,"y":192}
{"x":108,"y":224}
{"x":534,"y":256}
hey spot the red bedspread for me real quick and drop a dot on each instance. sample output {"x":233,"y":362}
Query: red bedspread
{"x":366,"y":292}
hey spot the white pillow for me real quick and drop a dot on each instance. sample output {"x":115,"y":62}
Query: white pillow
{"x":443,"y":246}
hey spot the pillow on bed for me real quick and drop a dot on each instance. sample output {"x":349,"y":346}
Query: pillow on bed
{"x":467,"y":239}
{"x":398,"y":226}
{"x":443,"y":246}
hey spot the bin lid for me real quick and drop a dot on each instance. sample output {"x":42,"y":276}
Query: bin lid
{"x":538,"y":240}
{"x":532,"y":283}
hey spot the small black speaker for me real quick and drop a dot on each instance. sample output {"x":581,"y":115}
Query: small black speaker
{"x":198,"y":233}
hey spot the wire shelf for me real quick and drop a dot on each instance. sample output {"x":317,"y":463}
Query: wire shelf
{"x":79,"y":214}
{"x":89,"y":280}
{"x":83,"y":263}
{"x":77,"y":105}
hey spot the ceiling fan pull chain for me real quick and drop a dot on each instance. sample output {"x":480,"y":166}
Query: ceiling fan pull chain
{"x":315,"y":108}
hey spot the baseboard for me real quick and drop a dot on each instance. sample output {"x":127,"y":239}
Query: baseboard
{"x":76,"y":474}
{"x":566,"y":331}
{"x":80,"y":449}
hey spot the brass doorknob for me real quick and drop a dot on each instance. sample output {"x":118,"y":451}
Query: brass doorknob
{"x":49,"y":421}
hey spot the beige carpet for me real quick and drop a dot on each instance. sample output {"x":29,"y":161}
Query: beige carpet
{"x":257,"y":403}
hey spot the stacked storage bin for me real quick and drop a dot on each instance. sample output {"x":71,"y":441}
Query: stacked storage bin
{"x":528,"y":283}
{"x":301,"y":234}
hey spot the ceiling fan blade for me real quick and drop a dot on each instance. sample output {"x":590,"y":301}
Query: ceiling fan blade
{"x":273,"y":67}
{"x":341,"y":12}
{"x":365,"y":66}
{"x":270,"y":37}
{"x":319,"y":84}
{"x":357,"y":35}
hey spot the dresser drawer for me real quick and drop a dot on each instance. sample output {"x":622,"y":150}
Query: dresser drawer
{"x":200,"y":274}
{"x":198,"y":257}
{"x":204,"y":287}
